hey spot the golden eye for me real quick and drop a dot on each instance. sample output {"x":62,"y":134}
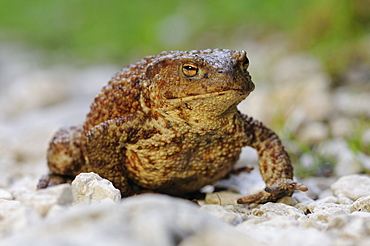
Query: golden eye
{"x":190,"y":69}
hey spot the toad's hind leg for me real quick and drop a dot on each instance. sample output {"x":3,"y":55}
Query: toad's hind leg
{"x":64,"y":157}
{"x":105,"y":153}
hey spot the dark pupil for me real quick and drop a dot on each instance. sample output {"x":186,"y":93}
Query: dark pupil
{"x":190,"y":68}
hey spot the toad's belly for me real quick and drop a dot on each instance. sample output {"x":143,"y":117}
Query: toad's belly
{"x":173,"y":170}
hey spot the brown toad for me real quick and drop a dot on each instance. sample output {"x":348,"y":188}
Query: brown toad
{"x":170,"y":124}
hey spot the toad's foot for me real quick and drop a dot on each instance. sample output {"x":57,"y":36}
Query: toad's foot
{"x":52,"y":179}
{"x":284,"y":187}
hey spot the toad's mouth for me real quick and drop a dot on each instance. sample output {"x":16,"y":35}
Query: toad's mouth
{"x":214,"y":103}
{"x":232,"y":93}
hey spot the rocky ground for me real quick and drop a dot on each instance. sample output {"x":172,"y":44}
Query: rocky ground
{"x":35,"y":100}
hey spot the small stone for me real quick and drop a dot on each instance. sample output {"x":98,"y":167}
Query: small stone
{"x":341,"y":126}
{"x":6,"y":195}
{"x":362,"y":204}
{"x":366,"y":137}
{"x":304,"y":206}
{"x":364,"y":160}
{"x":301,"y":196}
{"x":313,"y":132}
{"x":310,"y":223}
{"x":223,"y":214}
{"x":352,"y":186}
{"x":278,"y":209}
{"x":32,"y":91}
{"x":281,"y":221}
{"x":240,"y":209}
{"x":351,"y":102}
{"x":342,"y":199}
{"x":325,"y":193}
{"x":345,"y":161}
{"x":323,"y":211}
{"x":219,"y":237}
{"x":291,"y":201}
{"x":317,"y":185}
{"x":42,"y":200}
{"x":16,"y":217}
{"x":347,"y":164}
{"x":222,"y":198}
{"x":328,"y":199}
{"x":90,"y":188}
{"x":354,"y":226}
{"x":22,"y":186}
{"x":56,"y":210}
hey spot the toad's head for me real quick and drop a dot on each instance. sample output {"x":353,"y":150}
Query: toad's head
{"x":206,"y":81}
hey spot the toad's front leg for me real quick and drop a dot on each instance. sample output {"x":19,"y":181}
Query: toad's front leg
{"x":274,"y":164}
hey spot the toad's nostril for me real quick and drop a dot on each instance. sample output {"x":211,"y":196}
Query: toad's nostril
{"x":245,"y":64}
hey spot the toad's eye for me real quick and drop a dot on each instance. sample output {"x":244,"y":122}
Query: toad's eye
{"x":245,"y":65}
{"x":190,"y":69}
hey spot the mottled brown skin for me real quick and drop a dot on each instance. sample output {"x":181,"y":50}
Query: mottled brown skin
{"x":169,"y":124}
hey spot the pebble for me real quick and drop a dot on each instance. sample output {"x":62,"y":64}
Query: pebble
{"x":366,"y":137}
{"x":16,"y":217}
{"x":42,"y":200}
{"x":328,"y":199}
{"x":313,"y":132}
{"x":324,"y":211}
{"x":352,"y":186}
{"x":362,"y":204}
{"x":352,"y":226}
{"x":346,"y":162}
{"x":278,"y":209}
{"x":222,"y":198}
{"x":5,"y":195}
{"x":223,"y":214}
{"x":90,"y":188}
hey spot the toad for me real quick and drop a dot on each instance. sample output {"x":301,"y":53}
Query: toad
{"x":170,"y":124}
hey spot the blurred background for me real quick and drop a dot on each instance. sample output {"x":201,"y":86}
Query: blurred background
{"x":310,"y":62}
